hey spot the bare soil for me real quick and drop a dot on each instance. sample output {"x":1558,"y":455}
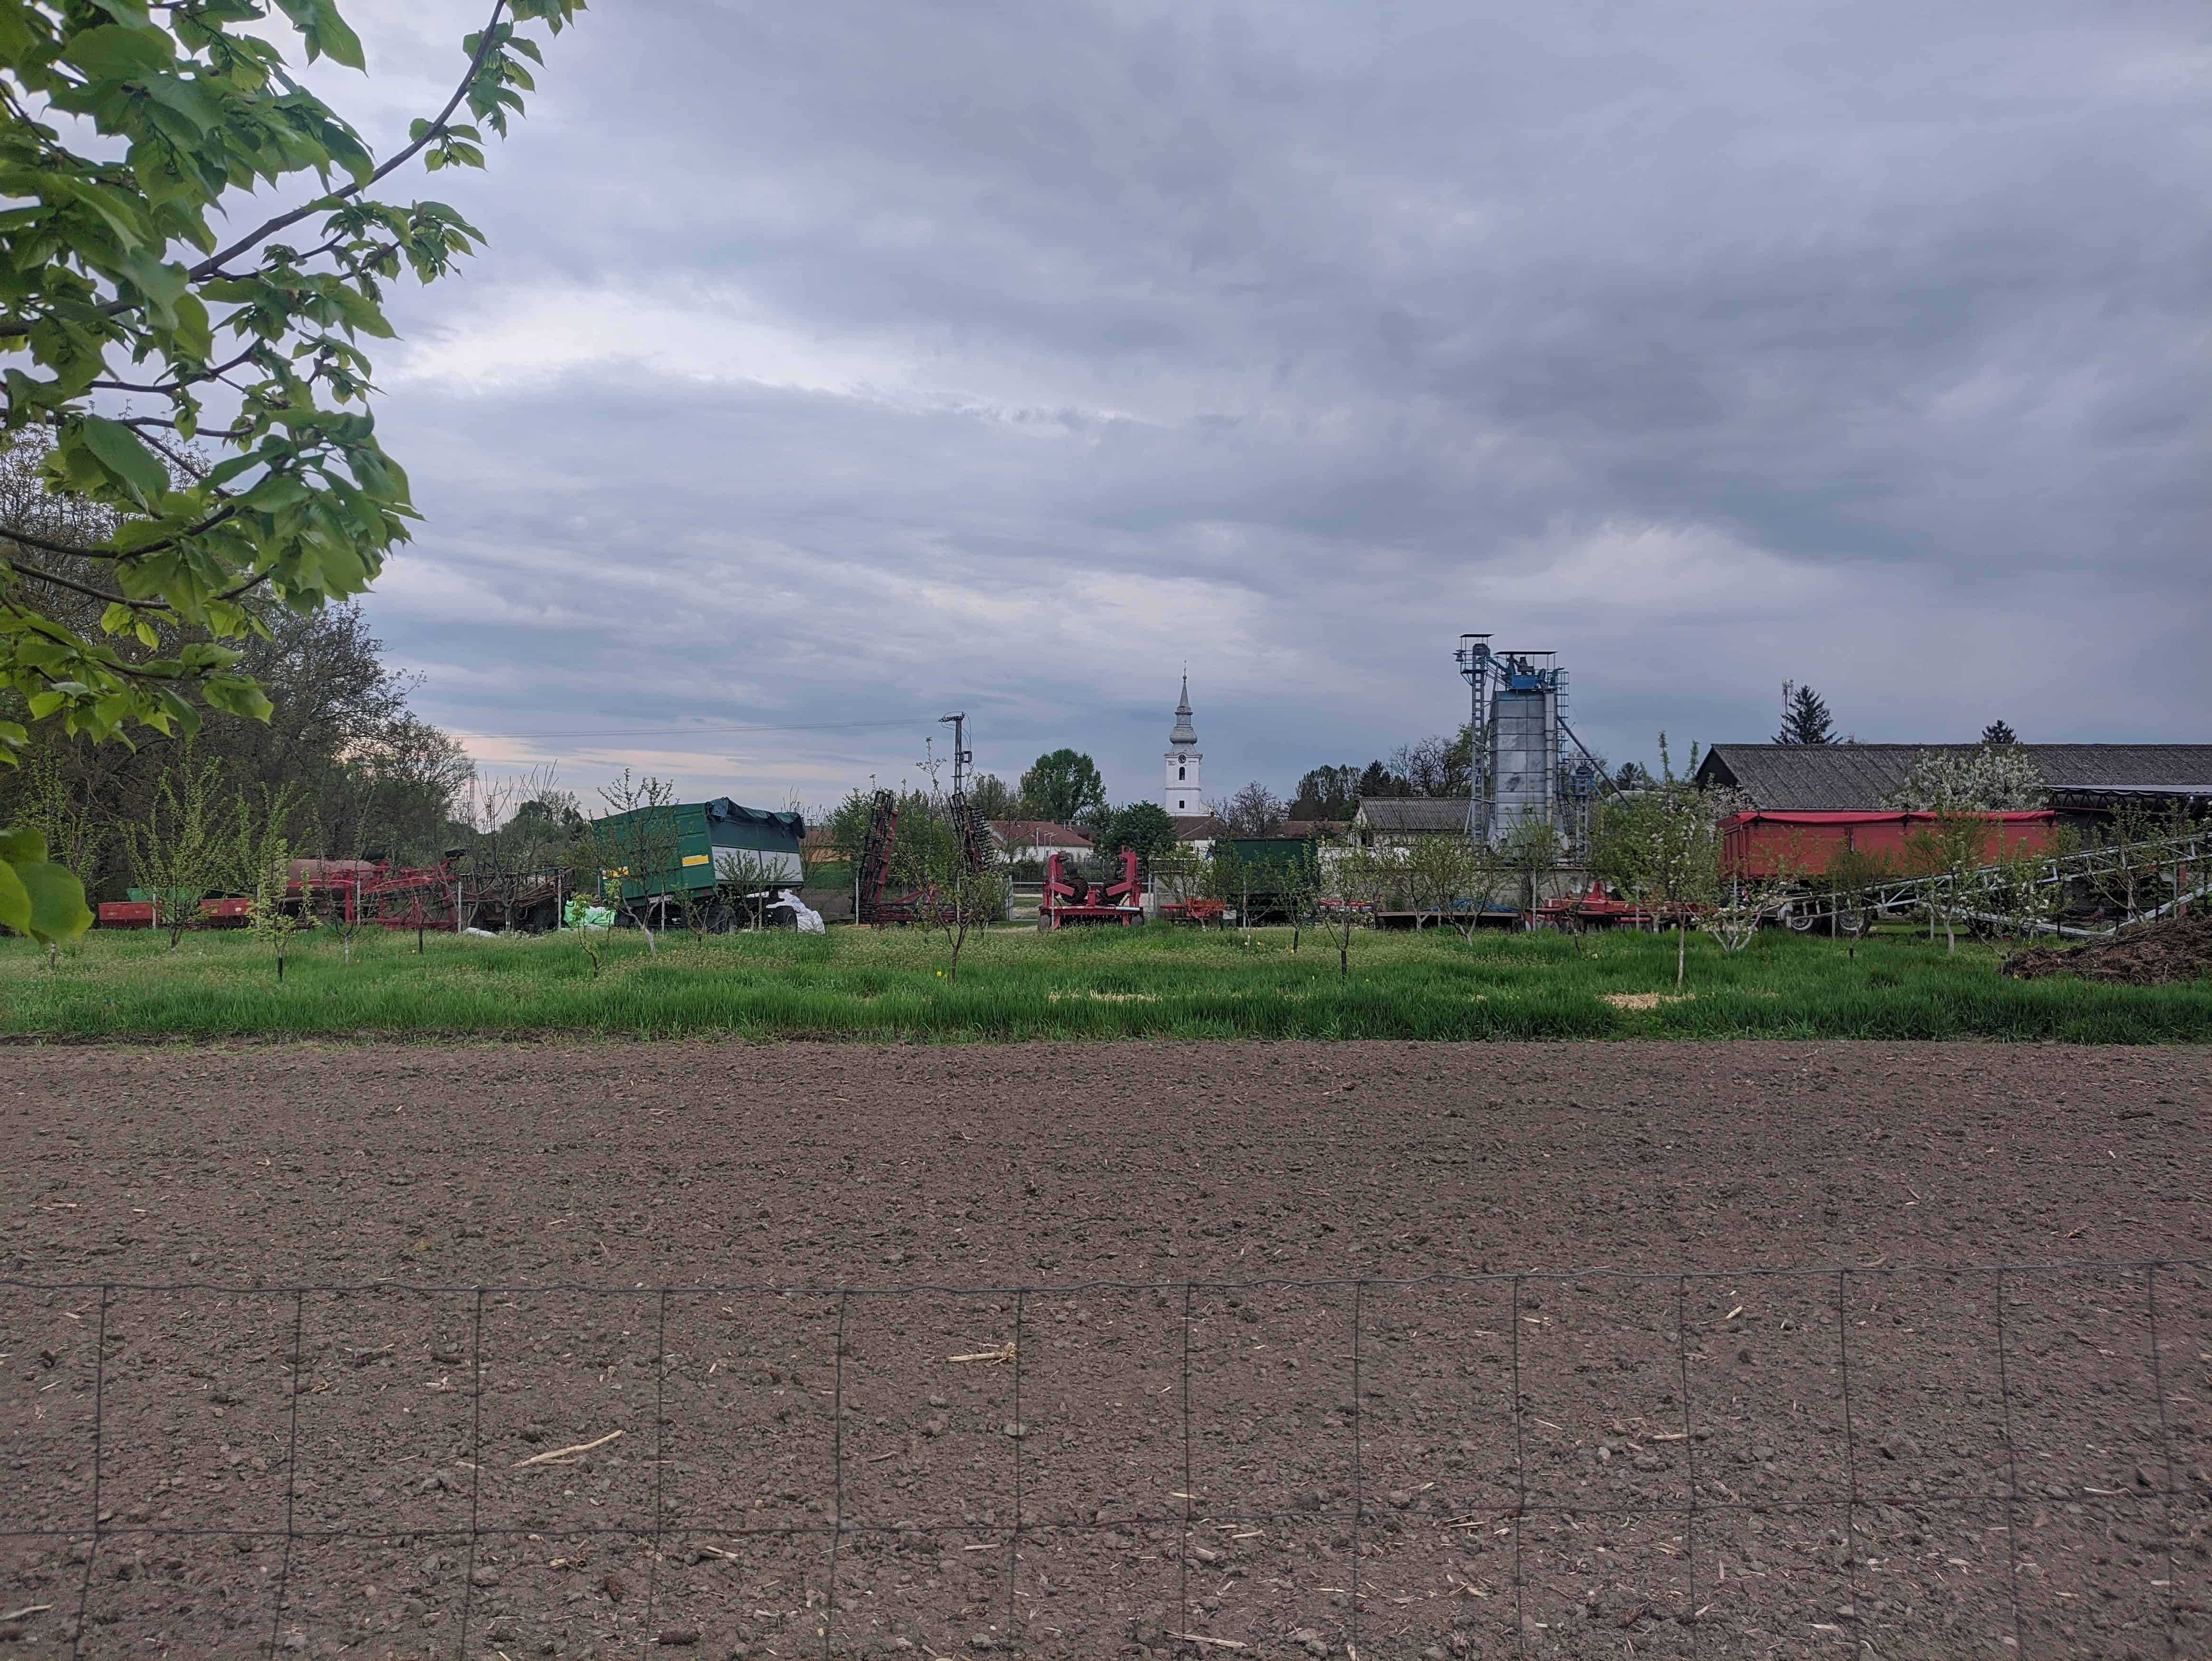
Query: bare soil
{"x":1283,"y":1432}
{"x":2173,"y":950}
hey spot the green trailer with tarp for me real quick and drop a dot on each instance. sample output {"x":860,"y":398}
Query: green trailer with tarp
{"x":1269,"y":879}
{"x":720,"y":855}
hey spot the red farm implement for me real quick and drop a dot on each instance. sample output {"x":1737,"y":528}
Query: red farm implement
{"x":1069,"y":898}
{"x":878,"y":901}
{"x":1594,"y":908}
{"x":1199,"y":912}
{"x":372,"y":893}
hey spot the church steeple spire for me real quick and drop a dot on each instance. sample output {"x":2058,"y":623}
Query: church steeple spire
{"x":1180,"y":795}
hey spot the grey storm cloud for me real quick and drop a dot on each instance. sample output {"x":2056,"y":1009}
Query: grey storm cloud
{"x":853,"y":363}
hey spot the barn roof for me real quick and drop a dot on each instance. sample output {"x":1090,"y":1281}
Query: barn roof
{"x":1856,"y":777}
{"x":1413,"y":813}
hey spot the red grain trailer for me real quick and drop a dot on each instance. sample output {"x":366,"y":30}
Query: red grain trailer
{"x":1772,"y":844}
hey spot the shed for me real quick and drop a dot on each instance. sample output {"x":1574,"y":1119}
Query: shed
{"x":1858,"y":778}
{"x":1402,"y":819}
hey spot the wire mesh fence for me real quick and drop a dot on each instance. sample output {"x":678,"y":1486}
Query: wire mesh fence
{"x":1875,"y":1459}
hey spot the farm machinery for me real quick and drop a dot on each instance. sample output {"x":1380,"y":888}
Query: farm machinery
{"x":1070,"y":898}
{"x":372,"y":893}
{"x":714,"y":862}
{"x":879,"y":899}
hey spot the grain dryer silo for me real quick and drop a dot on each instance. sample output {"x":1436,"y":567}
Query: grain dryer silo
{"x":1518,"y":720}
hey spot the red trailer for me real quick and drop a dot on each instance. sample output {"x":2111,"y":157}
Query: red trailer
{"x":1776,"y":844}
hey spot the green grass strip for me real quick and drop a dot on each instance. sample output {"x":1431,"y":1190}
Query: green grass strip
{"x":1015,"y":984}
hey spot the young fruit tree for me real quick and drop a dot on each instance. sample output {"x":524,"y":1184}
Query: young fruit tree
{"x":1662,"y":847}
{"x":1532,"y":851}
{"x":1961,"y":789}
{"x":1352,"y":881}
{"x":197,"y":364}
{"x":1451,"y":878}
{"x":1849,"y":886}
{"x":960,"y":895}
{"x":638,"y":850}
{"x":747,"y":879}
{"x":1947,"y":854}
{"x":180,"y":851}
{"x":261,"y":865}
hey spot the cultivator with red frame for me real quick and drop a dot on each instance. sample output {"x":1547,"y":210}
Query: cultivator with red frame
{"x":1069,"y":898}
{"x":873,"y":904}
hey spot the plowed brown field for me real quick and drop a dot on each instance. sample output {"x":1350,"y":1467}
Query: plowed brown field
{"x":1429,"y":1350}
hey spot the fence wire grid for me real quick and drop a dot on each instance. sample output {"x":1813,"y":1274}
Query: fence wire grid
{"x":1859,"y":1460}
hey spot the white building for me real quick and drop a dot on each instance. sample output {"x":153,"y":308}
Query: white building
{"x":1025,"y":840}
{"x":1181,"y":796}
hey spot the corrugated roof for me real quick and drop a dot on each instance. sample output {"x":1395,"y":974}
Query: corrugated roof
{"x":1413,"y":813}
{"x":1856,"y":777}
{"x":1037,"y":833}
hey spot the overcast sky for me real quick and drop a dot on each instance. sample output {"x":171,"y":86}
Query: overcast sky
{"x":853,"y":362}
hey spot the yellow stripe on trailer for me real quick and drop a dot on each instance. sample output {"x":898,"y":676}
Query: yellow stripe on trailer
{"x":697,"y":859}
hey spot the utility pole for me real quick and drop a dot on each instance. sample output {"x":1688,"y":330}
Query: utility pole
{"x":1474,"y":661}
{"x":963,"y":758}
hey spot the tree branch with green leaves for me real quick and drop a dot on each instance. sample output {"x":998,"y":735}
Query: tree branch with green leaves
{"x":127,"y":132}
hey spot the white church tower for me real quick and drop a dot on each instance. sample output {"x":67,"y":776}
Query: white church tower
{"x":1181,"y":797}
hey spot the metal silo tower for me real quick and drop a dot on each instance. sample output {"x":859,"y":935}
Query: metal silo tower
{"x":1519,"y":727}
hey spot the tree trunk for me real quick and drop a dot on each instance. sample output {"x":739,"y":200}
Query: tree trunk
{"x":1681,"y":950}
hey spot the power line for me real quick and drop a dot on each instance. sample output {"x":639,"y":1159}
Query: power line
{"x":685,"y":732}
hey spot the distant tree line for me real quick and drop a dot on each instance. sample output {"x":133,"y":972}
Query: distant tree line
{"x":353,"y":772}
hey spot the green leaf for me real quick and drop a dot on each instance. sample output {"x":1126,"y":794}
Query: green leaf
{"x":336,"y":41}
{"x":57,"y":911}
{"x":22,"y":845}
{"x":15,"y":899}
{"x":238,"y":698}
{"x":162,"y":284}
{"x":112,"y":51}
{"x":119,"y":451}
{"x":274,"y":492}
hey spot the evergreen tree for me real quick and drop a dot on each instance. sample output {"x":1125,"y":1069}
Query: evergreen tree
{"x":1998,"y":732}
{"x":1805,"y":718}
{"x":1377,"y":780}
{"x":1326,"y":793}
